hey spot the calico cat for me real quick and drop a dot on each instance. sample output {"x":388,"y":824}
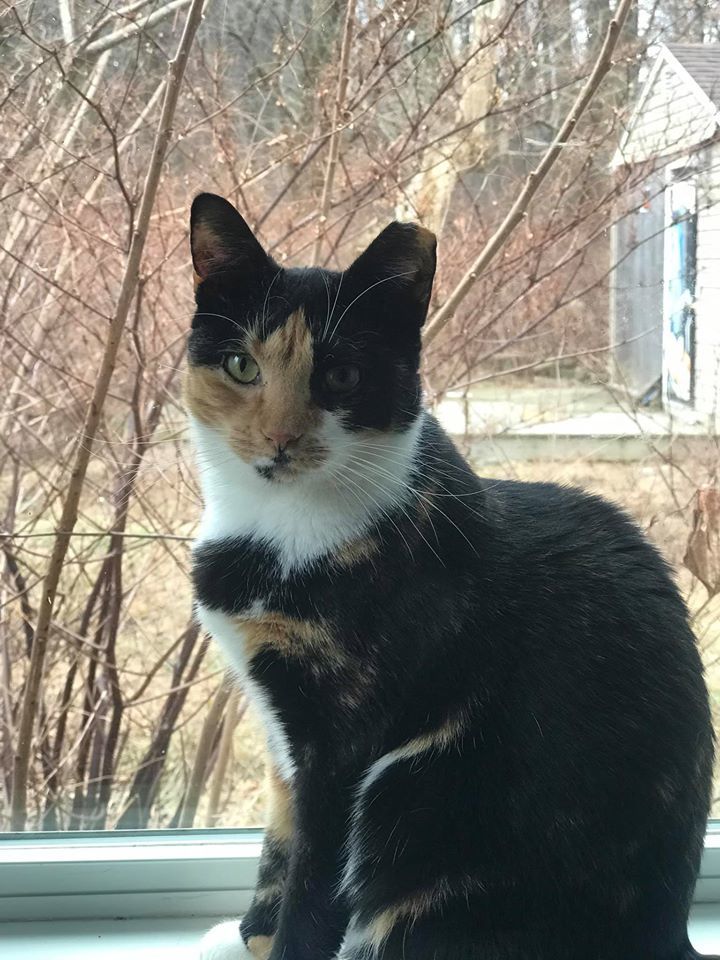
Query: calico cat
{"x":488,"y":728}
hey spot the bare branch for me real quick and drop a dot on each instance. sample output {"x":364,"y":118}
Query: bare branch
{"x":210,"y":727}
{"x":335,"y":129}
{"x":176,"y":70}
{"x":519,"y":209}
{"x":125,"y":33}
{"x":66,"y":20}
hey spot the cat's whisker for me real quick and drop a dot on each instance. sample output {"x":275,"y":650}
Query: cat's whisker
{"x":383,"y":511}
{"x":334,"y":476}
{"x":327,"y":296}
{"x":343,"y":481}
{"x":488,"y":485}
{"x":430,"y":504}
{"x":220,"y":316}
{"x":332,"y":311}
{"x":436,"y":478}
{"x":263,"y":314}
{"x":402,"y":508}
{"x":377,"y":283}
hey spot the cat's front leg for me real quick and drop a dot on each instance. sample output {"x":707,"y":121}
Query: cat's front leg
{"x":260,"y":922}
{"x":314,"y":915}
{"x":252,"y":937}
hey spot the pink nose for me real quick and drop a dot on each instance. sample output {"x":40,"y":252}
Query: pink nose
{"x":281,"y":438}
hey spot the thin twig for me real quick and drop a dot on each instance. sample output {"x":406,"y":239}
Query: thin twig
{"x":23,"y":747}
{"x":337,"y":115}
{"x":98,"y":534}
{"x":518,"y":210}
{"x":234,"y":713}
{"x":118,"y":36}
{"x":202,"y":755}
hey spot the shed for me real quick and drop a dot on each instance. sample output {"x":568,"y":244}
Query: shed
{"x":665,"y":239}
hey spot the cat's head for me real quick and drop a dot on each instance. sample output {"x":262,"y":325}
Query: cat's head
{"x":291,"y":366}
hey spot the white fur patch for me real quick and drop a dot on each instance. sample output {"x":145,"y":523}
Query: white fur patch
{"x":228,"y":635}
{"x":373,"y":773}
{"x":428,"y":743}
{"x":315,"y":513}
{"x":356,"y":943}
{"x":223,"y":942}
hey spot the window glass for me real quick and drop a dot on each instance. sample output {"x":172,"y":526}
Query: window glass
{"x":586,"y":351}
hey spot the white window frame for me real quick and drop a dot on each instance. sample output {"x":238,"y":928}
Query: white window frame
{"x":128,"y":875}
{"x":164,"y":873}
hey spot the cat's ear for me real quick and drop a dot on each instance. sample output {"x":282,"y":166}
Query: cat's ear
{"x":401,"y":260}
{"x":221,"y":241}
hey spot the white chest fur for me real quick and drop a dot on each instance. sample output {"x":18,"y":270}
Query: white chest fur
{"x":303,"y":520}
{"x":315,"y":514}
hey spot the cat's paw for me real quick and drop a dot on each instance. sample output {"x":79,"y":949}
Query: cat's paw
{"x":223,"y":942}
{"x":260,"y":946}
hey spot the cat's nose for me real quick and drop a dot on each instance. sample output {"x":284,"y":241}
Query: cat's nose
{"x":281,"y":438}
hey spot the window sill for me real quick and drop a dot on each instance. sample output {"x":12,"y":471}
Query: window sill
{"x":146,"y":939}
{"x":63,"y":896}
{"x":178,"y":939}
{"x":174,"y":873}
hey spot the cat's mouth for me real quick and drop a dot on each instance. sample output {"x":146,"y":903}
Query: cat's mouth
{"x":285,"y":467}
{"x":279,"y":468}
{"x":276,"y":467}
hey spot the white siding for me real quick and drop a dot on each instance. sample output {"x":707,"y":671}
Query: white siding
{"x":707,"y":329}
{"x":671,"y":119}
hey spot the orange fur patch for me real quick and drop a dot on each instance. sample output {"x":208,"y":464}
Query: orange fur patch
{"x":425,"y":504}
{"x":260,"y":946}
{"x":410,"y":910}
{"x":356,"y":551}
{"x":279,"y":815}
{"x":285,"y":634}
{"x":247,"y":414}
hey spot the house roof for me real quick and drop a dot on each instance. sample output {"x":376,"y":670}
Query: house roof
{"x":697,"y":67}
{"x":702,"y":62}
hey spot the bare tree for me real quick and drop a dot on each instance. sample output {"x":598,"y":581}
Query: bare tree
{"x":494,"y":121}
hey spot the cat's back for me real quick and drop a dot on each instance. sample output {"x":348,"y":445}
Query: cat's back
{"x":546,"y":529}
{"x":562,"y":548}
{"x":591,"y":629}
{"x":596,"y":680}
{"x":546,"y":557}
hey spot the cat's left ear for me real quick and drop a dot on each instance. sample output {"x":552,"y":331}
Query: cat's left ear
{"x":221,"y":241}
{"x":400,"y":260}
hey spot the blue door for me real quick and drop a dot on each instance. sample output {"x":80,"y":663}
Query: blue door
{"x":679,"y":299}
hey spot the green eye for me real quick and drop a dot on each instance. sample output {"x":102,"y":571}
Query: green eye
{"x":342,"y":379}
{"x":241,"y":367}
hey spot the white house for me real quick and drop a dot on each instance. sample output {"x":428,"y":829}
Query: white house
{"x":665,"y":286}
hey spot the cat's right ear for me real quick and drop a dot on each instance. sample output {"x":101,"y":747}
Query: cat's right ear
{"x":221,"y":241}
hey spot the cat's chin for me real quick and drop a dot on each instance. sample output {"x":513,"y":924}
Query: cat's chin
{"x":278,"y":475}
{"x":284,"y":471}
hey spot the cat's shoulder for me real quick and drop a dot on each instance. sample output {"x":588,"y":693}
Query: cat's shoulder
{"x":555,"y":507}
{"x":539,"y":507}
{"x":571,"y":535}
